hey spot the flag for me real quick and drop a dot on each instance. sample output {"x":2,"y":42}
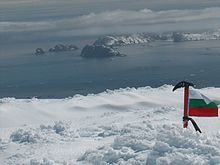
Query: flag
{"x":200,"y":105}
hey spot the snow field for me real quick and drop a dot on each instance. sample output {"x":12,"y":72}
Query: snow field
{"x":122,"y":127}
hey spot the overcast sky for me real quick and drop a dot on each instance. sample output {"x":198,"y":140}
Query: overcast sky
{"x":91,"y":17}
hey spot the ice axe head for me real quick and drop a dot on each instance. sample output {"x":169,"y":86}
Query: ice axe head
{"x":182,"y":84}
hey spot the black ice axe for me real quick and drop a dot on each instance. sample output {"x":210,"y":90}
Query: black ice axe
{"x":186,"y":118}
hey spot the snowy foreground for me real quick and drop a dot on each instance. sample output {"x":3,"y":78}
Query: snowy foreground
{"x":124,"y":127}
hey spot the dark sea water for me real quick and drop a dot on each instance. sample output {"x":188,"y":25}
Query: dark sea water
{"x":67,"y":73}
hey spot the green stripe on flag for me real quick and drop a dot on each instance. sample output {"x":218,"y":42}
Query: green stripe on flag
{"x":200,"y":103}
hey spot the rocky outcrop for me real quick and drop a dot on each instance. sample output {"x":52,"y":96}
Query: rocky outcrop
{"x":57,"y":48}
{"x":39,"y":51}
{"x":99,"y":51}
{"x":62,"y":48}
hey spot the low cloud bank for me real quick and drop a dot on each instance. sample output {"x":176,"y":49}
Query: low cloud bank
{"x":116,"y":19}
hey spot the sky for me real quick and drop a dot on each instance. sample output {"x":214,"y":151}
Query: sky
{"x":91,"y":17}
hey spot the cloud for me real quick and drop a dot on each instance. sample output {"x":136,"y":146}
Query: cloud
{"x":116,"y":20}
{"x":13,"y":2}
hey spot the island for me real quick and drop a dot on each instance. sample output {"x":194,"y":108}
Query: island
{"x":99,"y":51}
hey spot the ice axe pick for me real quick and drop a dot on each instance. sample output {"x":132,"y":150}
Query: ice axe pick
{"x":186,"y":118}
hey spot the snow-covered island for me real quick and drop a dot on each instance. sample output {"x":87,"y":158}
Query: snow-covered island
{"x":181,"y":37}
{"x":122,"y":40}
{"x":105,"y":46}
{"x":99,"y":51}
{"x":143,"y":38}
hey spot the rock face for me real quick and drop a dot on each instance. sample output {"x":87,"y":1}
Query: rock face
{"x":178,"y":37}
{"x":62,"y":48}
{"x":99,"y":51}
{"x":39,"y":51}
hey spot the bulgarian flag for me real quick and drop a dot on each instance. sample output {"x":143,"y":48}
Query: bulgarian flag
{"x":200,"y":105}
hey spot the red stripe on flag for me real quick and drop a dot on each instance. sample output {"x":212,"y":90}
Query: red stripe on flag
{"x":203,"y":112}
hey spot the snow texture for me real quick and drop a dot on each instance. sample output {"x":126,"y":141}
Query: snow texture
{"x":144,"y":128}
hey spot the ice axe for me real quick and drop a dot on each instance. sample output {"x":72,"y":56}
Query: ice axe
{"x":186,"y":118}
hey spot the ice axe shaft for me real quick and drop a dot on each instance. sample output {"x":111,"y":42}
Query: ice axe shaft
{"x":185,"y":85}
{"x":186,"y":111}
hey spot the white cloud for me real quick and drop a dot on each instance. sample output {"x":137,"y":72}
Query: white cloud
{"x":10,"y":2}
{"x":117,"y":19}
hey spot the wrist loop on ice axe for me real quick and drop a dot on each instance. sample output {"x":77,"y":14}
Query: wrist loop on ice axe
{"x":193,"y":122}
